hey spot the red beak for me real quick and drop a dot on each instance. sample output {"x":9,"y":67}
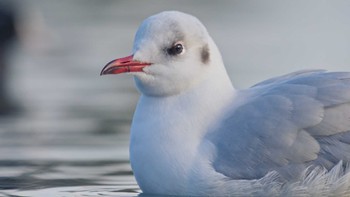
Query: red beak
{"x":123,"y":65}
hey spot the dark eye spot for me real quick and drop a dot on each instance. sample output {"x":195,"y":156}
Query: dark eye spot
{"x":205,"y":54}
{"x":176,"y":49}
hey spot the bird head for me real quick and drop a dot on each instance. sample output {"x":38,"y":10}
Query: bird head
{"x":172,"y":52}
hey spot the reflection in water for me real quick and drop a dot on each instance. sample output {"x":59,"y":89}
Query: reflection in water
{"x":63,"y":163}
{"x":35,"y":177}
{"x":40,"y":175}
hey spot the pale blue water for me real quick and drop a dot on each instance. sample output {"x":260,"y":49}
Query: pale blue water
{"x":71,"y":138}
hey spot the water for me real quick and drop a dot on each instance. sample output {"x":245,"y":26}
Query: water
{"x":71,"y":137}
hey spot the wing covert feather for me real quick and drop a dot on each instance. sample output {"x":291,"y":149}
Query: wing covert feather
{"x":288,"y":121}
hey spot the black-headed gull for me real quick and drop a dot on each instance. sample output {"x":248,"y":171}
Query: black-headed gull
{"x":194,"y":134}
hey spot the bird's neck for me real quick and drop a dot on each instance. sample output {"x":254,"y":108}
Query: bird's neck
{"x":166,"y":131}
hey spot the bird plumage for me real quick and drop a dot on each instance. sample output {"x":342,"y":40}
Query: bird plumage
{"x":194,"y":134}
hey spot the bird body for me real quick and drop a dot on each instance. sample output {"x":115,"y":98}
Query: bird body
{"x":162,"y":129}
{"x":194,"y":134}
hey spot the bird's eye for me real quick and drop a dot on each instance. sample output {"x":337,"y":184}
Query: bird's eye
{"x":176,"y":49}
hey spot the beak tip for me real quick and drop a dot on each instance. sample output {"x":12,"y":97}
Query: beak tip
{"x":103,"y":71}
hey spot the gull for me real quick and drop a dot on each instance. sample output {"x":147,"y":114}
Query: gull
{"x":194,"y":134}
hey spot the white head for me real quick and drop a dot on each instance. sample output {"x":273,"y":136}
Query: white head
{"x":172,"y":52}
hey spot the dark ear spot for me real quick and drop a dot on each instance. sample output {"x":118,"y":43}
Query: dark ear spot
{"x":205,"y":56}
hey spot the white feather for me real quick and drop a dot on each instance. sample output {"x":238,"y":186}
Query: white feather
{"x":194,"y":134}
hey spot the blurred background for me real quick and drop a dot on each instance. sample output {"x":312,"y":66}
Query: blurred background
{"x":64,"y":129}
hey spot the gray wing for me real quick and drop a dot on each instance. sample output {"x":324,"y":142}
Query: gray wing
{"x":289,"y":123}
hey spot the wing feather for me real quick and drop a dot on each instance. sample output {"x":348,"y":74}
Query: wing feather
{"x":295,"y":120}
